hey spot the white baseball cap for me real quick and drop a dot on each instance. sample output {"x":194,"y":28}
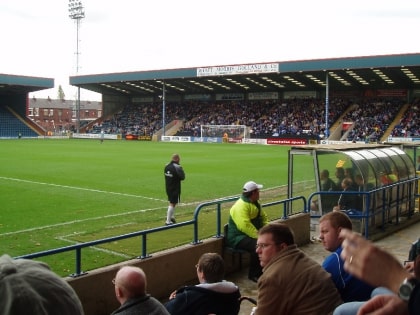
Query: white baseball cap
{"x":251,"y":186}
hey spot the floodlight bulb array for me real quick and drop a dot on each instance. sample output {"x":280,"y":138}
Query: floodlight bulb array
{"x":76,"y":10}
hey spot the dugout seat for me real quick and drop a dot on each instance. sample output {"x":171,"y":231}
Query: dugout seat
{"x":231,"y":250}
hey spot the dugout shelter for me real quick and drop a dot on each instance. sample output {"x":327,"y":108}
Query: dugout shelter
{"x":385,"y":194}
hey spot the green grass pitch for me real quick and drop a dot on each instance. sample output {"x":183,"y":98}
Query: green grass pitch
{"x":56,"y":193}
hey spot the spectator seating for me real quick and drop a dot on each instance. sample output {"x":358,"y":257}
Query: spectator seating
{"x":409,"y":125}
{"x":12,"y":127}
{"x":371,"y":119}
{"x":267,"y":118}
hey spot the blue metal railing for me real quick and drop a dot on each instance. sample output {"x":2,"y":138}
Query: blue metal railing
{"x":388,"y":202}
{"x":77,"y":248}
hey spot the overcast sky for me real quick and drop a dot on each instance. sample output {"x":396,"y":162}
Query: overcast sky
{"x":39,"y":39}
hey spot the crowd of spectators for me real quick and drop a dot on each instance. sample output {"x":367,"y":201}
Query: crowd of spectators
{"x":139,"y":119}
{"x":372,"y":118}
{"x":409,"y":125}
{"x":268,"y":118}
{"x":296,"y":117}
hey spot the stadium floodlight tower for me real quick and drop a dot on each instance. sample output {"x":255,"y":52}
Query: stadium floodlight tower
{"x":77,"y":13}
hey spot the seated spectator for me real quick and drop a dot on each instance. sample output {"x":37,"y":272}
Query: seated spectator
{"x":409,"y":124}
{"x":292,"y":282}
{"x":361,"y":185}
{"x":349,"y":173}
{"x":246,"y":217}
{"x":380,"y":268}
{"x":339,"y":174}
{"x":130,"y":290}
{"x":30,"y":287}
{"x":372,"y":118}
{"x":349,"y":287}
{"x":327,"y":184}
{"x":353,"y":307}
{"x":349,"y":202}
{"x":387,"y":178}
{"x":212,"y":296}
{"x":412,"y":256}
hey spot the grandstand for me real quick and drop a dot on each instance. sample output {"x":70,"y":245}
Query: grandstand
{"x":14,"y":90}
{"x":302,"y":118}
{"x":297,"y":118}
{"x":13,"y":127}
{"x":281,"y":99}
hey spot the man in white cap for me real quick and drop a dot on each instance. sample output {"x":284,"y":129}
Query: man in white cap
{"x":246,"y":217}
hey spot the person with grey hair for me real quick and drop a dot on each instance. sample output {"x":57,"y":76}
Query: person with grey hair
{"x":31,"y":287}
{"x":130,"y":290}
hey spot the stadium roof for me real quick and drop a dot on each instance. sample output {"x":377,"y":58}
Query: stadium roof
{"x":345,"y":74}
{"x":14,"y":84}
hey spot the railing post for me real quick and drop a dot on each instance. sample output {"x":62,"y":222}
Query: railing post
{"x":195,"y":240}
{"x":398,"y":205}
{"x":284,"y":211}
{"x":144,"y":247}
{"x":384,"y":208}
{"x":367,"y":214}
{"x":78,"y":263}
{"x":219,"y":220}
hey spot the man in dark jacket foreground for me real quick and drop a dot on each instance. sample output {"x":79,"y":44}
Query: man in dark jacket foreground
{"x":212,"y":296}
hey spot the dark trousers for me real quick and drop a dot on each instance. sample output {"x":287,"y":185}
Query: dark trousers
{"x":249,"y":244}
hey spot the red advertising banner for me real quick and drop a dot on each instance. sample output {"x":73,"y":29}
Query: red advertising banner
{"x":131,"y":137}
{"x":398,"y":93}
{"x":136,"y":137}
{"x":386,"y":93}
{"x":287,"y":141}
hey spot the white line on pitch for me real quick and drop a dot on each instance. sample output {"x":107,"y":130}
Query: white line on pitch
{"x":94,"y":218}
{"x":80,"y":188}
{"x":79,"y":221}
{"x":89,"y":219}
{"x":62,"y":238}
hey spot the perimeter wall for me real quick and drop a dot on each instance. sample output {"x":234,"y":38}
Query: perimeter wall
{"x":166,"y":270}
